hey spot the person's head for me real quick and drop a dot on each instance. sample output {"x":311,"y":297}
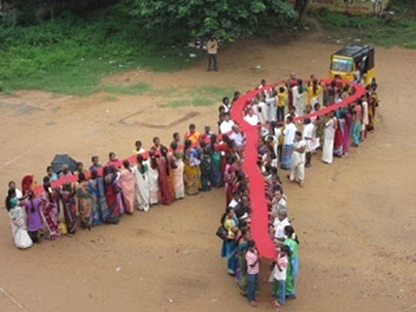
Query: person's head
{"x":293,"y":76}
{"x":138,"y":145}
{"x":298,"y":136}
{"x":176,"y":137}
{"x":236,"y":128}
{"x":226,"y":100}
{"x":94,"y":174}
{"x":221,"y":110}
{"x":94,"y":160}
{"x":250,"y":112}
{"x":263,"y":82}
{"x":187,"y":144}
{"x":112,"y":156}
{"x":106,"y":171}
{"x":207,"y":129}
{"x":227,"y":117}
{"x":80,"y":166}
{"x":12,"y":185}
{"x":65,"y":169}
{"x":11,"y":200}
{"x":290,"y":233}
{"x":251,"y":245}
{"x":245,"y":233}
{"x":317,"y":107}
{"x":237,"y":94}
{"x":237,"y":195}
{"x":192,"y":128}
{"x":331,"y":114}
{"x":284,"y":251}
{"x":81,"y":177}
{"x":308,"y":109}
{"x":67,"y":186}
{"x":213,"y":138}
{"x":282,"y":214}
{"x":289,"y":119}
{"x":278,"y":193}
{"x":126,"y":164}
{"x":230,"y":212}
{"x":307,"y":121}
{"x":140,"y":159}
{"x":156,"y":141}
{"x":281,"y":90}
{"x":49,"y":171}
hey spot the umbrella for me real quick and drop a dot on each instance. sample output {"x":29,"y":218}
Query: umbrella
{"x":63,"y":159}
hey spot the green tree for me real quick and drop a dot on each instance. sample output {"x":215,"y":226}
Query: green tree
{"x":226,"y":19}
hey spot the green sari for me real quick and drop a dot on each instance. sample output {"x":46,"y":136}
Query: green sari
{"x":293,"y":267}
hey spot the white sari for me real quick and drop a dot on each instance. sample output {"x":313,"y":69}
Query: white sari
{"x":152,"y":176}
{"x":298,"y":101}
{"x":19,"y":233}
{"x":178,"y":179}
{"x":142,"y":189}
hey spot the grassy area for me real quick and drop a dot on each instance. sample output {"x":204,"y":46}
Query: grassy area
{"x":192,"y":102}
{"x":70,"y":55}
{"x":399,"y":31}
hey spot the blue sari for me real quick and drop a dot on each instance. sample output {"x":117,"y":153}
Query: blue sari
{"x":100,"y":211}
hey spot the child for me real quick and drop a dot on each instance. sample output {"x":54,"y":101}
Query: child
{"x":279,"y":283}
{"x":253,"y":268}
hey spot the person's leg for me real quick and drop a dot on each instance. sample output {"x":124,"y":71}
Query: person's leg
{"x":275,"y":289}
{"x":209,"y":62}
{"x":308,"y":159}
{"x":251,"y":287}
{"x":231,"y":264}
{"x":214,"y":59}
{"x":282,"y":292}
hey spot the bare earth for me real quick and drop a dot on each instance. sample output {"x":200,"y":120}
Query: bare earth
{"x":355,"y":218}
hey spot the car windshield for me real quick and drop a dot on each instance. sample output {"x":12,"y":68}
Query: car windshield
{"x":342,"y":65}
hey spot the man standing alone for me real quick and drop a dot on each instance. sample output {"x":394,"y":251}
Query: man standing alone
{"x":212,"y":47}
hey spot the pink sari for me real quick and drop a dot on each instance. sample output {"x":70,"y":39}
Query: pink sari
{"x":49,"y":212}
{"x":127,"y":183}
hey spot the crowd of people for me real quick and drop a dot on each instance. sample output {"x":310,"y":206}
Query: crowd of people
{"x":198,"y":162}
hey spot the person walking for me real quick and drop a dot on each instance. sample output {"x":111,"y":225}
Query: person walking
{"x":212,"y":48}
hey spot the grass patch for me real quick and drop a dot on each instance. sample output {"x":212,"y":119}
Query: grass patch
{"x":139,"y":88}
{"x":70,"y":55}
{"x":193,"y":102}
{"x":212,"y":91}
{"x":112,"y":99}
{"x":400,"y":31}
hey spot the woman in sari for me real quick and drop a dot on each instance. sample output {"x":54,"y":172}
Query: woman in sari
{"x":85,"y":202}
{"x":111,"y":191}
{"x":120,"y":196}
{"x":293,"y":268}
{"x":297,"y":167}
{"x":230,"y":223}
{"x":178,"y":172}
{"x":67,"y":197}
{"x":165,"y":167}
{"x":330,"y":127}
{"x":100,"y":210}
{"x":205,"y":157}
{"x":192,"y":171}
{"x":153,"y":178}
{"x":128,"y":185}
{"x":20,"y":236}
{"x":372,"y":106}
{"x":216,"y":173}
{"x":241,"y":260}
{"x":142,"y":184}
{"x":49,"y":210}
{"x":339,"y":136}
{"x":347,"y":131}
{"x":229,"y":178}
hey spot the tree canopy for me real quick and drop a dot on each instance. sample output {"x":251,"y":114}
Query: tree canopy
{"x":226,"y":19}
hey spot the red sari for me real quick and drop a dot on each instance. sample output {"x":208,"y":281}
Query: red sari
{"x":166,"y":187}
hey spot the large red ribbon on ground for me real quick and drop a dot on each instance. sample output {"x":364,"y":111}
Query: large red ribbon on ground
{"x":259,"y":214}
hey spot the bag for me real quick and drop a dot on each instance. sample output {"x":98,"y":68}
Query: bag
{"x":222,"y":232}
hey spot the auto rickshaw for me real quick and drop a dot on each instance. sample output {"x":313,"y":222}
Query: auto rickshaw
{"x":353,"y":62}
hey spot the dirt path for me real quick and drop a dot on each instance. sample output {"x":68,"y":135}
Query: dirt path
{"x":355,"y":217}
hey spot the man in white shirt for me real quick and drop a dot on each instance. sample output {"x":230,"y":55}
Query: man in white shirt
{"x":309,"y":137}
{"x":227,"y":125}
{"x":289,"y":133}
{"x":237,"y":137}
{"x":251,"y":118}
{"x":279,"y":225}
{"x":12,"y":185}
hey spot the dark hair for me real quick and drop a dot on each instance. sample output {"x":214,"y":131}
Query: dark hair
{"x":174,"y":134}
{"x":111,"y":154}
{"x":164,"y":153}
{"x":315,"y":86}
{"x":290,"y":231}
{"x":138,"y":142}
{"x":126,"y":164}
{"x":93,"y":157}
{"x":227,"y":210}
{"x":225,"y":99}
{"x":290,"y":118}
{"x":155,"y":138}
{"x":49,"y":168}
{"x":192,"y":126}
{"x":10,"y":193}
{"x":298,"y":133}
{"x":94,"y":174}
{"x":286,"y":249}
{"x":81,"y":177}
{"x":307,"y":121}
{"x":187,"y":144}
{"x":251,"y":243}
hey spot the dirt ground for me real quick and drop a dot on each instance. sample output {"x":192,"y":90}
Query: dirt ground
{"x":355,"y":218}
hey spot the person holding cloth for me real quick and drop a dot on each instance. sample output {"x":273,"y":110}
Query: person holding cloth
{"x":212,"y":48}
{"x":279,"y":276}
